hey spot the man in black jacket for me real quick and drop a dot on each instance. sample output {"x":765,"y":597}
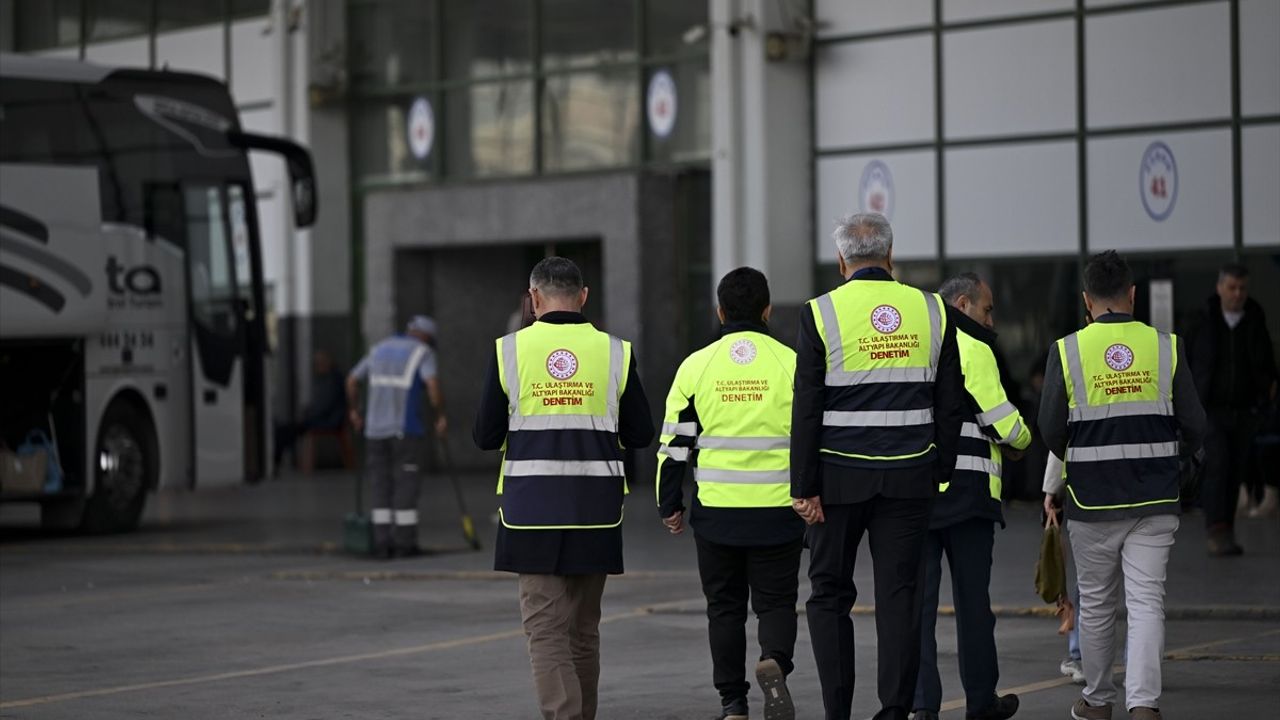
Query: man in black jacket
{"x":875,"y":423}
{"x":563,"y":403}
{"x":1232,"y":362}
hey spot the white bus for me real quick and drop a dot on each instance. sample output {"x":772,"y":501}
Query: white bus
{"x":131,"y":297}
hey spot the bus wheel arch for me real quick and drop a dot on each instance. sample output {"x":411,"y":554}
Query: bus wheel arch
{"x":126,"y":465}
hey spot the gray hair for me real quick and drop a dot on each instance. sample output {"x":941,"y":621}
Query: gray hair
{"x":863,"y":237}
{"x":965,"y":284}
{"x":556,"y":277}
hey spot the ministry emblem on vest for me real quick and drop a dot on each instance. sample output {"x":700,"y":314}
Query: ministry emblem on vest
{"x":886,"y":319}
{"x":1119,"y":357}
{"x":562,"y":364}
{"x":742,"y":352}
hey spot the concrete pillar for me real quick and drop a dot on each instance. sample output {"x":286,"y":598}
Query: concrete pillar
{"x":761,"y":148}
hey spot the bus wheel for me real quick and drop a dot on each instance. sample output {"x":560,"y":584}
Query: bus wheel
{"x":124,"y":463}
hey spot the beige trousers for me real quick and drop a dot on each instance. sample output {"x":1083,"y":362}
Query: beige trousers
{"x":561,"y":616}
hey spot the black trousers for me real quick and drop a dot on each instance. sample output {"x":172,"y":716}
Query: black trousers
{"x":967,"y":546}
{"x":769,"y":574}
{"x":897,"y":530}
{"x":1227,"y":449}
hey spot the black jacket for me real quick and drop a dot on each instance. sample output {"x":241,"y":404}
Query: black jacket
{"x":560,"y":552}
{"x":839,"y":484}
{"x":1233,"y":368}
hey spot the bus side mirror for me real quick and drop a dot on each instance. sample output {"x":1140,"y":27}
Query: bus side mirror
{"x":302,"y":175}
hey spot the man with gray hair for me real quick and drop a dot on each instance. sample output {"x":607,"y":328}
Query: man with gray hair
{"x":875,"y":422}
{"x":398,"y":370}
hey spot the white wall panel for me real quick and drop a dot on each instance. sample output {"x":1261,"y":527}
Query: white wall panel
{"x":252,"y":60}
{"x":1197,"y":204}
{"x":132,"y":53}
{"x":986,"y":94}
{"x":1158,"y":66}
{"x":962,"y":10}
{"x":1261,"y":180}
{"x":198,"y":50}
{"x":847,"y":17}
{"x":908,"y":181}
{"x":1259,"y":57}
{"x":874,"y":92}
{"x":1012,"y":200}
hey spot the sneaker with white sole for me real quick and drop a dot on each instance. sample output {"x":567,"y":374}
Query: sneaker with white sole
{"x":773,"y":683}
{"x":1072,"y":669}
{"x":1084,"y":711}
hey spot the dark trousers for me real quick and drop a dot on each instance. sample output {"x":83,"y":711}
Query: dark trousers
{"x":1227,"y":452}
{"x":393,"y":467}
{"x":897,"y":530}
{"x":967,"y":546}
{"x":769,"y":574}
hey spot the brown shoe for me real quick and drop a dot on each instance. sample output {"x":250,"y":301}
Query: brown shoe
{"x":1222,"y":543}
{"x":1145,"y":713}
{"x":1084,"y":711}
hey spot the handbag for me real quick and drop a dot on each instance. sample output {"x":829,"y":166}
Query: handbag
{"x":1051,"y":570}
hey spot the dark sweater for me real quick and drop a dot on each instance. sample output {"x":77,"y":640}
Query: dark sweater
{"x":1233,"y":367}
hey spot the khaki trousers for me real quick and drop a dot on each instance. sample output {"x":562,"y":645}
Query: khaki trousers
{"x":561,"y":616}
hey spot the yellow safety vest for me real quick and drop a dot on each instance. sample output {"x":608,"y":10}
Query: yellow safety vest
{"x":1122,"y":451}
{"x":883,"y":340}
{"x":996,"y":421}
{"x":562,"y":463}
{"x":742,"y":387}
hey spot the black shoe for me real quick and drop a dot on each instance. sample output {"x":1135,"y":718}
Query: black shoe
{"x":924,"y":715}
{"x":408,"y":552}
{"x":1001,"y":708}
{"x":773,"y":683}
{"x":735,"y":709}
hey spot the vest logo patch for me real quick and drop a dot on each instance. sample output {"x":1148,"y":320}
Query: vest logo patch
{"x":562,"y":364}
{"x":1119,"y":357}
{"x":886,"y":319}
{"x":742,"y":352}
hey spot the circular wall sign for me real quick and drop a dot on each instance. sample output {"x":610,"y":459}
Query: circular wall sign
{"x":662,"y":103}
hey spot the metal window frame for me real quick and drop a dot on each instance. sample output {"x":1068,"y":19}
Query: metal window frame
{"x":1235,"y":121}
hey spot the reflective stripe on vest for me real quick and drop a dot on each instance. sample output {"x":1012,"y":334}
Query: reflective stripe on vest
{"x":562,"y":465}
{"x":1123,"y":447}
{"x":404,"y":378}
{"x":882,"y":340}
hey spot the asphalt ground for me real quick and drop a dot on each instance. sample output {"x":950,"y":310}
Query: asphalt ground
{"x":240,"y":603}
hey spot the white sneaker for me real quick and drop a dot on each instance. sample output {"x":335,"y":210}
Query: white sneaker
{"x":1244,"y":502}
{"x":1269,"y":505}
{"x":1072,"y":669}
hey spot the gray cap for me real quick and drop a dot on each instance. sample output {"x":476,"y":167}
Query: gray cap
{"x":422,"y":324}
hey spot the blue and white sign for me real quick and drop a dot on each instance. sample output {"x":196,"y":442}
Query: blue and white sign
{"x":875,"y":189}
{"x":661,"y":104}
{"x":1158,"y":181}
{"x":421,"y":128}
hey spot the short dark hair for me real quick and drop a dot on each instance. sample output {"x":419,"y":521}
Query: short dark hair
{"x":556,"y":276}
{"x":743,"y":295}
{"x":965,"y":284}
{"x":1107,"y":276}
{"x":1232,"y":270}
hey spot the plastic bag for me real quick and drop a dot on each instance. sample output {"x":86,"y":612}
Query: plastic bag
{"x":1051,"y":569}
{"x":36,"y":442}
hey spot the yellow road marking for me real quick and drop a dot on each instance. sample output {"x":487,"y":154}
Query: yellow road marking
{"x":323,"y":662}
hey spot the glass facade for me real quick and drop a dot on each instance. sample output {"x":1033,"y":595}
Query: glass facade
{"x":523,"y":87}
{"x":53,"y":24}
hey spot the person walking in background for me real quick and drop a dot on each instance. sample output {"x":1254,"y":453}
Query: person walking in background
{"x":965,"y":514}
{"x":326,"y":408}
{"x":876,"y":418}
{"x":562,"y":399}
{"x":1231,"y":358}
{"x":1117,"y":399}
{"x":398,"y":369}
{"x":729,"y":415}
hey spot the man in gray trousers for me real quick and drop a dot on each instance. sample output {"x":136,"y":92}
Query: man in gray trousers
{"x":399,"y":369}
{"x":1118,"y":397}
